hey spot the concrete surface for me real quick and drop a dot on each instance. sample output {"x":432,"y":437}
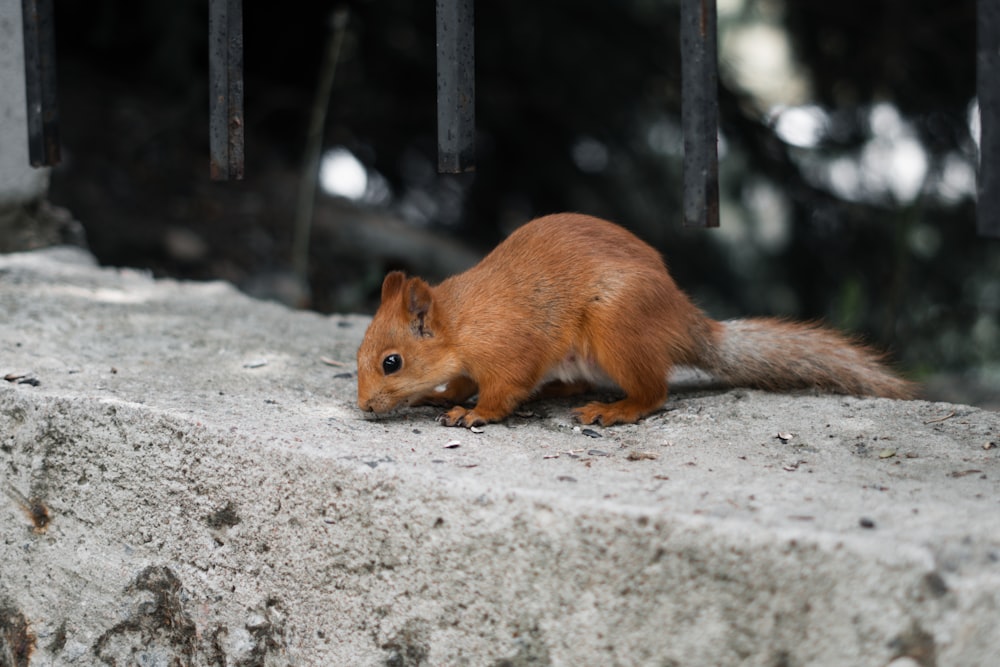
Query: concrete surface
{"x":187,"y":482}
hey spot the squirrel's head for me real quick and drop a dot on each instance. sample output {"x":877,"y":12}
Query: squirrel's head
{"x":404,"y":354}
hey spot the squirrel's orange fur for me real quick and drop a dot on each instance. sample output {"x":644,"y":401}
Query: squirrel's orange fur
{"x":569,"y":301}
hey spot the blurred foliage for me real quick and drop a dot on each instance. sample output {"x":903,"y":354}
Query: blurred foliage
{"x":577,"y":109}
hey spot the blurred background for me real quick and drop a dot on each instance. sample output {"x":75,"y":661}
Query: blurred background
{"x":848,"y":153}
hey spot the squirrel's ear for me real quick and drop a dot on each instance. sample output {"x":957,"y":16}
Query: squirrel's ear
{"x":392,"y":284}
{"x":418,"y":302}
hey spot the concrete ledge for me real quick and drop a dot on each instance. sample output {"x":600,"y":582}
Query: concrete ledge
{"x":187,"y":482}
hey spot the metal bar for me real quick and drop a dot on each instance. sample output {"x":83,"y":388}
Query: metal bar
{"x":225,"y":73}
{"x":988,"y":82}
{"x":40,"y":83}
{"x":700,"y":113}
{"x":456,"y":86}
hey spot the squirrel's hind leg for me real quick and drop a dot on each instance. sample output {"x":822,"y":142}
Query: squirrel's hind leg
{"x":626,"y":411}
{"x":640,"y":372}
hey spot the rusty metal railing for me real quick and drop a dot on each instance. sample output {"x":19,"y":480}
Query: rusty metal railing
{"x":456,"y":98}
{"x":988,"y":83}
{"x":225,"y":80}
{"x":700,"y":112}
{"x":456,"y":86}
{"x":40,"y":83}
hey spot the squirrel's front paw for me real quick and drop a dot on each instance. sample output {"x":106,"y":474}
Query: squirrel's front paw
{"x":459,"y":416}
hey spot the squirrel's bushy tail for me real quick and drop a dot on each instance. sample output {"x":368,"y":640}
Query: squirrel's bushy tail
{"x":777,"y":355}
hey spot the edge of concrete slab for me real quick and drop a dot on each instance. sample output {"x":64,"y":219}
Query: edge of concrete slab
{"x":169,"y":501}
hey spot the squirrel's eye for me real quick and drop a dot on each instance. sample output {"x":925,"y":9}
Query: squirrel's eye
{"x":391,"y":364}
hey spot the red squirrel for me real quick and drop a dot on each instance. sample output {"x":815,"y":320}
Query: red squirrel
{"x":568,"y":302}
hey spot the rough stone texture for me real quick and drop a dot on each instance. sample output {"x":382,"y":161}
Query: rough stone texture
{"x":186,"y":482}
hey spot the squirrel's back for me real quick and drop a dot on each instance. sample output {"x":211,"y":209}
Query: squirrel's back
{"x":566,"y":249}
{"x":574,"y":278}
